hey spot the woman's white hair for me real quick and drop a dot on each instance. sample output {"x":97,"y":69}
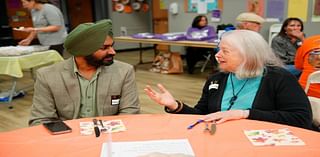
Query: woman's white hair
{"x":257,"y":54}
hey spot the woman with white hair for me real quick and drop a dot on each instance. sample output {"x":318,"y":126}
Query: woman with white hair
{"x":251,"y":84}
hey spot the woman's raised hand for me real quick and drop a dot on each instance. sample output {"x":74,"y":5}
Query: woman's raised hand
{"x":163,"y":97}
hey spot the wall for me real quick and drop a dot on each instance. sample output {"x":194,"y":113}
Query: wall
{"x":101,"y":9}
{"x":135,"y":22}
{"x":231,"y":9}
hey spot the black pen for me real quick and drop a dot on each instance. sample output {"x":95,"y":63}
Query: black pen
{"x":96,"y":128}
{"x":101,"y":123}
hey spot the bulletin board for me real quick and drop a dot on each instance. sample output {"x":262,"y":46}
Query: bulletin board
{"x":194,"y":5}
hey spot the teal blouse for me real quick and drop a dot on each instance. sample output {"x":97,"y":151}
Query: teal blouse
{"x":246,"y":95}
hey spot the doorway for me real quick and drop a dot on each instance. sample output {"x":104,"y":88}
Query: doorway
{"x":160,"y":22}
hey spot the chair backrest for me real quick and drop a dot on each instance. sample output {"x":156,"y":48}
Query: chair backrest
{"x":313,"y":78}
{"x":273,"y":31}
{"x":315,"y":106}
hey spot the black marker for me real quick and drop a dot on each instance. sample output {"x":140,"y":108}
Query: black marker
{"x":96,"y":128}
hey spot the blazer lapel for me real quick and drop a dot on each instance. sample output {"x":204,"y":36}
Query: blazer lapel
{"x":72,"y":84}
{"x":104,"y":81}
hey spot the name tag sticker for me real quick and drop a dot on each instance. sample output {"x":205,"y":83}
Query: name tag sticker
{"x":214,"y":85}
{"x":115,"y":100}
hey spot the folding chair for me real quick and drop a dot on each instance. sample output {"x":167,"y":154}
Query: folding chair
{"x":273,"y":31}
{"x":315,"y":106}
{"x":313,"y":78}
{"x":315,"y":102}
{"x":208,"y":59}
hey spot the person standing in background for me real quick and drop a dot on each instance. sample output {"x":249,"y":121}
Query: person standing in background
{"x":286,"y":43}
{"x":48,"y":25}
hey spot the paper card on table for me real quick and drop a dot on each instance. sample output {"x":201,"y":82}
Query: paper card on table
{"x":87,"y":128}
{"x":178,"y":147}
{"x":273,"y":137}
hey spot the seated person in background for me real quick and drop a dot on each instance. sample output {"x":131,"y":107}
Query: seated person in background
{"x":252,"y":84}
{"x":200,"y":30}
{"x":87,"y":85}
{"x":288,"y":40}
{"x":48,"y":25}
{"x":310,"y":44}
{"x":249,"y":21}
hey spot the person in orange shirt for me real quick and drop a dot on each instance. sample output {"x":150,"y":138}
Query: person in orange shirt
{"x":301,"y":62}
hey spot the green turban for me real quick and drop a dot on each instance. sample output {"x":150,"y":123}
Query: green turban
{"x":87,"y":38}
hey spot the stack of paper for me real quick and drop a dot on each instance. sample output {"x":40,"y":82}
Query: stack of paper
{"x":177,"y":147}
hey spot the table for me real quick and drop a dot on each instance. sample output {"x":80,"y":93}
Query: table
{"x":203,"y":44}
{"x":228,"y":141}
{"x":14,"y":65}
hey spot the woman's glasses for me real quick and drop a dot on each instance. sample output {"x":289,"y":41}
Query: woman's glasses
{"x":212,"y":129}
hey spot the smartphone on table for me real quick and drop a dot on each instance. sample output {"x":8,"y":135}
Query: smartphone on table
{"x":57,"y":127}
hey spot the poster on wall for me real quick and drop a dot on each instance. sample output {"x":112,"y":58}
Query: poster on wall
{"x":256,"y":6}
{"x":130,"y":6}
{"x":216,"y":15}
{"x":205,"y":6}
{"x":298,"y":8}
{"x":201,"y":6}
{"x":275,"y":10}
{"x":316,"y":11}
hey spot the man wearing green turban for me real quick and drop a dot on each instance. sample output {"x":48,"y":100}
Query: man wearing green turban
{"x":89,"y":84}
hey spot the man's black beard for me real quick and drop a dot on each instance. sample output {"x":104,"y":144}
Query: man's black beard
{"x":93,"y":61}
